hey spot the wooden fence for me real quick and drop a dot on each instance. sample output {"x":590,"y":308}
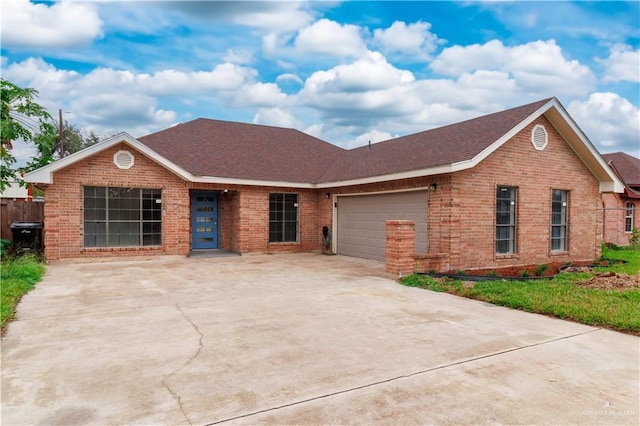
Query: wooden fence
{"x":18,"y":211}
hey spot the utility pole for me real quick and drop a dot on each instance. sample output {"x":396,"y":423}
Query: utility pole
{"x":61,"y":133}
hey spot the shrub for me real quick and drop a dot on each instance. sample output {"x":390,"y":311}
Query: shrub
{"x":5,"y":246}
{"x":540,"y":269}
{"x":634,"y":237}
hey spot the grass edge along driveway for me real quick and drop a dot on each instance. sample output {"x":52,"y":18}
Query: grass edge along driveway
{"x":561,"y":297}
{"x":18,"y":276}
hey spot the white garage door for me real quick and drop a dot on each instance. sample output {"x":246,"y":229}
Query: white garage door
{"x":361,"y":221}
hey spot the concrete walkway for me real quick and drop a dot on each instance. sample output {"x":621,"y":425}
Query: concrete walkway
{"x":297,"y":339}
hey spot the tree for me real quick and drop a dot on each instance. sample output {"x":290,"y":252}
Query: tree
{"x":74,"y":139}
{"x":23,"y":118}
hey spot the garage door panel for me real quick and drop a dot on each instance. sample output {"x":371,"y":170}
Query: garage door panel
{"x":361,"y":221}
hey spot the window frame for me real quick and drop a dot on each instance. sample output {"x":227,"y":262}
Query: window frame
{"x":563,"y":224}
{"x":629,"y":216}
{"x":111,"y":219}
{"x":284,"y":218}
{"x":511,"y":226}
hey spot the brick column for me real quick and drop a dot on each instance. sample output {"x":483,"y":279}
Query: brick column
{"x":400,"y":250}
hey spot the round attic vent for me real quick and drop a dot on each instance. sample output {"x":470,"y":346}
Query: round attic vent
{"x":123,"y":159}
{"x":539,"y":137}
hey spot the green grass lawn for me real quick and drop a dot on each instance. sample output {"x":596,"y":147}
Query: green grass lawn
{"x":560,"y":297}
{"x":17,"y":277}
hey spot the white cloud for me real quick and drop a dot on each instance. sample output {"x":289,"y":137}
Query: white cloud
{"x":171,"y":82}
{"x":277,"y":16}
{"x":534,"y":65}
{"x":105,"y":97}
{"x":372,"y":136}
{"x":289,"y":77}
{"x":133,"y":110}
{"x":270,"y":44}
{"x":240,"y":56}
{"x":276,"y":117}
{"x":623,"y":64}
{"x":61,"y":24}
{"x":530,"y":19}
{"x":363,"y":75}
{"x":414,"y":39}
{"x":316,"y":131}
{"x":331,"y":38}
{"x":610,"y":121}
{"x":257,"y":94}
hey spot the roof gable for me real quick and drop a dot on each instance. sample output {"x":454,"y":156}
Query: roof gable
{"x":432,"y":149}
{"x":45,"y":174}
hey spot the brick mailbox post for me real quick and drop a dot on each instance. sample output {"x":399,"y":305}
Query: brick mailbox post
{"x":400,"y":249}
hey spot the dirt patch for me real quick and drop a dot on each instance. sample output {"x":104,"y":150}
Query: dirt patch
{"x":539,"y":270}
{"x":519,"y":271}
{"x":611,"y":280}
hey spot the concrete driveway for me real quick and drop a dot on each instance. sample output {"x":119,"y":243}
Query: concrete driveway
{"x":297,"y":339}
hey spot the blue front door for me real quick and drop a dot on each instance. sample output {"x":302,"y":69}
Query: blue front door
{"x":204,"y":220}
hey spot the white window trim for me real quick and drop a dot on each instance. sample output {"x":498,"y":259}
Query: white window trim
{"x":629,"y":207}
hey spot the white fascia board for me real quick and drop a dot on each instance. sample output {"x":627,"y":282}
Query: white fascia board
{"x":605,"y":186}
{"x":250,"y":182}
{"x":615,"y":185}
{"x":610,"y":187}
{"x":447,"y":168}
{"x":44,"y":175}
{"x":467,"y":164}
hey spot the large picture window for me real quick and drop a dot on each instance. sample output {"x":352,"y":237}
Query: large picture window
{"x":559,"y":222}
{"x":283,"y":218}
{"x":122,"y":217}
{"x":505,"y":220}
{"x":628,"y":217}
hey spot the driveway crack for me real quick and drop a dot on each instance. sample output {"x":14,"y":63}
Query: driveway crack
{"x":165,"y":381}
{"x":400,"y":377}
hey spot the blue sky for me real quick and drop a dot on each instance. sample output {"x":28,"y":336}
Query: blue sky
{"x":346,"y":72}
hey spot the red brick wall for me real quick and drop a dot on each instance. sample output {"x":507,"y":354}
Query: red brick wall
{"x":535,"y":174}
{"x":253,"y":223}
{"x":244,"y":210}
{"x":400,"y":248}
{"x":614,"y":218}
{"x":64,"y":205}
{"x":461,"y":219}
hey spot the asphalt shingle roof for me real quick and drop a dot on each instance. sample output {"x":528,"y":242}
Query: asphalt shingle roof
{"x":207,"y":147}
{"x":226,"y":149}
{"x":627,"y":166}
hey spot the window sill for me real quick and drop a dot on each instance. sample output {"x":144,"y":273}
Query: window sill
{"x":127,"y":248}
{"x":284,"y":243}
{"x":559,"y":253}
{"x":506,"y":256}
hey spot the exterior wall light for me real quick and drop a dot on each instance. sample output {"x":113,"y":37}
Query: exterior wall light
{"x":433,"y":187}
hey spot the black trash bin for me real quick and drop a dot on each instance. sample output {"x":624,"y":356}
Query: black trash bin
{"x":27,"y":236}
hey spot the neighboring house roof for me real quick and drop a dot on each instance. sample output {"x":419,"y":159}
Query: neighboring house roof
{"x":224,"y":152}
{"x":14,"y":190}
{"x":627,"y":167}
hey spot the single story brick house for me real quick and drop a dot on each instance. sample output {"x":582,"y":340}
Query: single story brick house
{"x":516,"y":187}
{"x":621,"y":209}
